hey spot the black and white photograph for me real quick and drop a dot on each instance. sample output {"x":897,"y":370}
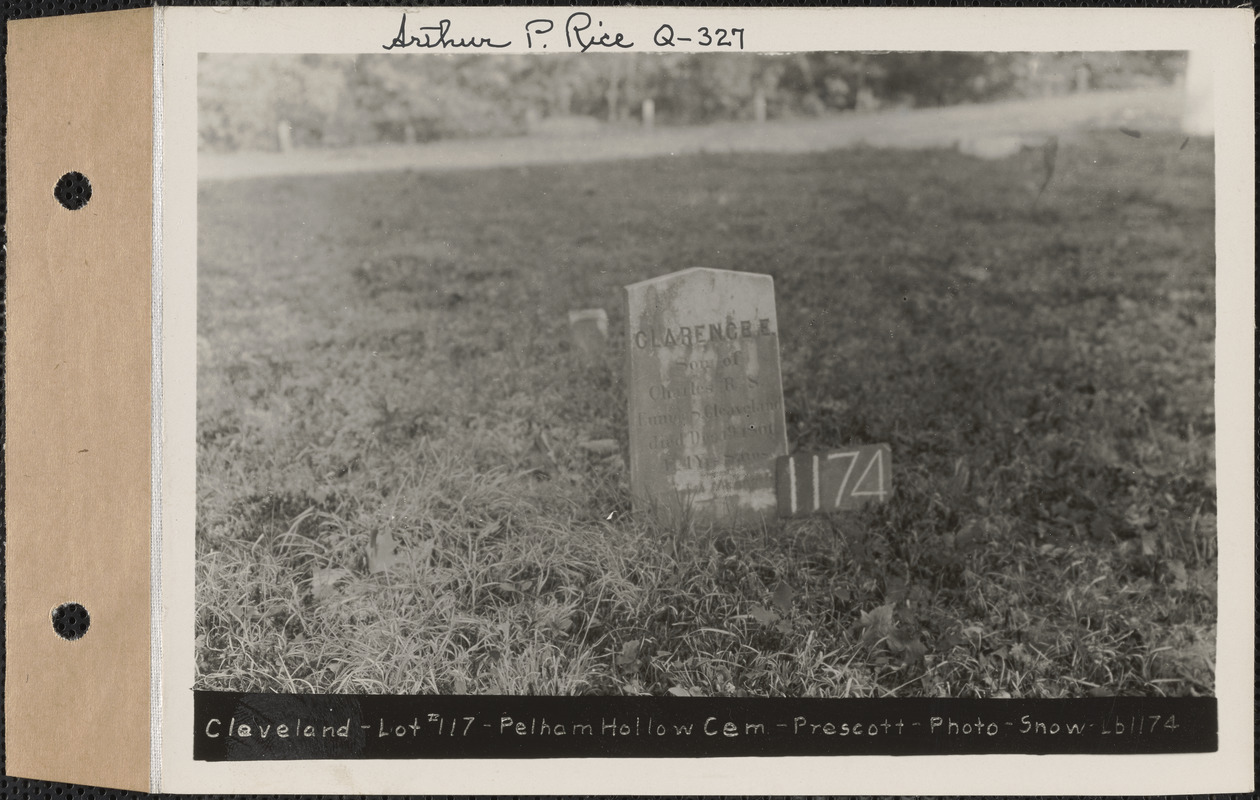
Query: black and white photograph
{"x":706,"y":374}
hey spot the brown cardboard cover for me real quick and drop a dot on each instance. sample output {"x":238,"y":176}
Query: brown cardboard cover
{"x":78,"y":398}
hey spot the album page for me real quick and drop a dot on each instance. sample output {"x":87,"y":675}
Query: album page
{"x":705,"y":401}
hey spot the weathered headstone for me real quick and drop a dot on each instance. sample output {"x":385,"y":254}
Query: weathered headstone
{"x":705,"y":396}
{"x":284,"y":135}
{"x":865,"y":100}
{"x":759,"y":105}
{"x":649,"y":113}
{"x":589,"y":329}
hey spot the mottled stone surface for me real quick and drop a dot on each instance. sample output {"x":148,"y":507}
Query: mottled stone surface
{"x":705,"y":396}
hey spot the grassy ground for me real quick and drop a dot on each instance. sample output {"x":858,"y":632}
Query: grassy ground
{"x":393,"y":496}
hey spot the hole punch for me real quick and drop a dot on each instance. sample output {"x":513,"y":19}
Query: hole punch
{"x":70,"y":621}
{"x":73,"y":191}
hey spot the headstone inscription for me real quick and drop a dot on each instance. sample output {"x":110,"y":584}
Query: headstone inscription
{"x":705,"y":396}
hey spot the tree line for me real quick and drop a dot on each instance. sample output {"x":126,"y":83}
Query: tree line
{"x":265,"y":102}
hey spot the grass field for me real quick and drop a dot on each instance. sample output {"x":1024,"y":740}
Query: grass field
{"x":393,"y":496}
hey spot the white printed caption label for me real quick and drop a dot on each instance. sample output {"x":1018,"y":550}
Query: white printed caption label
{"x":838,"y":480}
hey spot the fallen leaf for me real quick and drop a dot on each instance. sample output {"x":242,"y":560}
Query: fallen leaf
{"x":382,"y":551}
{"x":629,"y":654}
{"x":422,"y":553}
{"x":763,"y":615}
{"x":678,"y":691}
{"x":910,"y":648}
{"x":783,"y":595}
{"x":243,"y":612}
{"x":1178,"y":572}
{"x":971,"y":534}
{"x":876,"y":624}
{"x":323,"y":582}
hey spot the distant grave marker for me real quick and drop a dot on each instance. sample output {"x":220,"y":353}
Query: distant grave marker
{"x":284,"y":135}
{"x":589,"y":329}
{"x":815,"y":483}
{"x":759,"y":105}
{"x":705,"y":396}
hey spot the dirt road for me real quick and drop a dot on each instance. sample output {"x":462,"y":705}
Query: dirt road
{"x":989,"y":129}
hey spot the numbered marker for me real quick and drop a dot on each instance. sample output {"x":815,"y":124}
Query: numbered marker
{"x":816,"y":483}
{"x":874,"y":473}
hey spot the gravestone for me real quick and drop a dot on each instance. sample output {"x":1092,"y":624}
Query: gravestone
{"x":705,"y":397}
{"x":284,"y":135}
{"x":588,"y":328}
{"x":649,"y":113}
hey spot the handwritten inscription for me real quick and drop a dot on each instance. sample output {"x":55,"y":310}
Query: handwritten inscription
{"x":579,"y":32}
{"x":703,"y":36}
{"x":438,"y":36}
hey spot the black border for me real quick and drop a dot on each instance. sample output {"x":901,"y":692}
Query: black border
{"x":230,"y":726}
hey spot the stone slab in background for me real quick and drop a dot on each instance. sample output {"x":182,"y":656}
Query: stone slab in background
{"x":588,"y":328}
